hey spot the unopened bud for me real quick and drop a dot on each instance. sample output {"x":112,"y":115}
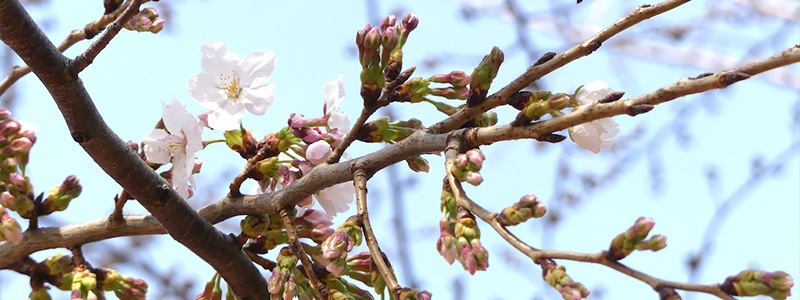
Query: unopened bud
{"x":418,"y":164}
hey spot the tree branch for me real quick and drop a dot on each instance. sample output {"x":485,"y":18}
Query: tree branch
{"x":113,"y":155}
{"x":87,"y":32}
{"x":360,"y":182}
{"x":535,"y":72}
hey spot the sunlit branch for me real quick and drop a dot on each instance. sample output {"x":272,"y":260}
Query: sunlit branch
{"x":533,"y":73}
{"x":540,"y":256}
{"x":360,"y":182}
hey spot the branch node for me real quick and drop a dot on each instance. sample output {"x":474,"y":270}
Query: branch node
{"x":701,"y":75}
{"x":551,"y":138}
{"x":638,"y":109}
{"x":545,"y":58}
{"x":727,"y":79}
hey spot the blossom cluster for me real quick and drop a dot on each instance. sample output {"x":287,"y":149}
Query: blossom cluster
{"x":634,"y":239}
{"x":16,"y":191}
{"x":776,"y":284}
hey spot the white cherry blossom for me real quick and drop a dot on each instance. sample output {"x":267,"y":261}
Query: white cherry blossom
{"x":333,"y":91}
{"x":178,"y":143}
{"x":229,"y":85}
{"x":594,"y":135}
{"x":336,"y":198}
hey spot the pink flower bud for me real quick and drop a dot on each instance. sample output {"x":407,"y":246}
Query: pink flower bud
{"x":198,"y":163}
{"x":297,"y":121}
{"x":388,"y":21}
{"x":318,"y":152}
{"x":336,"y":137}
{"x":9,"y":229}
{"x":473,"y":178}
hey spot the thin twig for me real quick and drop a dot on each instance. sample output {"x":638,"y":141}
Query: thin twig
{"x":87,"y":32}
{"x":297,"y":247}
{"x":119,"y":202}
{"x":360,"y":182}
{"x":263,"y":262}
{"x":236,"y":184}
{"x":540,"y":255}
{"x":86,"y":58}
{"x":533,"y":73}
{"x":367,"y":111}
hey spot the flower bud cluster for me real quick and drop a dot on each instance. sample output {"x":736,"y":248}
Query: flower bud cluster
{"x":255,"y":225}
{"x":776,"y":284}
{"x":336,"y":247}
{"x":556,"y":276}
{"x":308,"y":130}
{"x":380,"y":53}
{"x":61,"y":195}
{"x":84,"y":284}
{"x":282,"y":284}
{"x":16,"y":140}
{"x":467,"y":166}
{"x":61,"y":266}
{"x":9,"y":228}
{"x":124,"y":287}
{"x":472,"y":255}
{"x":146,"y":20}
{"x":534,"y":105}
{"x":458,"y":81}
{"x":634,"y":239}
{"x":381,"y":130}
{"x":315,"y":225}
{"x":212,"y":290}
{"x":242,"y":141}
{"x":368,"y":271}
{"x":527,"y":207}
{"x":265,"y":233}
{"x":339,"y":289}
{"x":482,"y":76}
{"x":409,"y":294}
{"x":417,"y":89}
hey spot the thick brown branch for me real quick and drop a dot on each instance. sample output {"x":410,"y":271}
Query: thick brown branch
{"x":113,"y":155}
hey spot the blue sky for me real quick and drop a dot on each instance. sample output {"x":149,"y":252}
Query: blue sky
{"x":729,"y":128}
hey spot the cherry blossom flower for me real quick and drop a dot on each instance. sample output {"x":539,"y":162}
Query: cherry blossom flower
{"x":179,"y":142}
{"x":229,"y":85}
{"x":336,"y":198}
{"x":333,"y":91}
{"x":594,"y":135}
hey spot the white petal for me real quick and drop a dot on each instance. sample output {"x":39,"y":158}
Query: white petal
{"x":174,"y":114}
{"x":339,"y":121}
{"x":218,"y":62}
{"x":205,"y":92}
{"x":156,"y":149}
{"x":256,"y":65}
{"x":333,"y":92}
{"x":592,"y":92}
{"x":228,"y":117}
{"x":336,"y":198}
{"x":257,"y":100}
{"x":180,"y":175}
